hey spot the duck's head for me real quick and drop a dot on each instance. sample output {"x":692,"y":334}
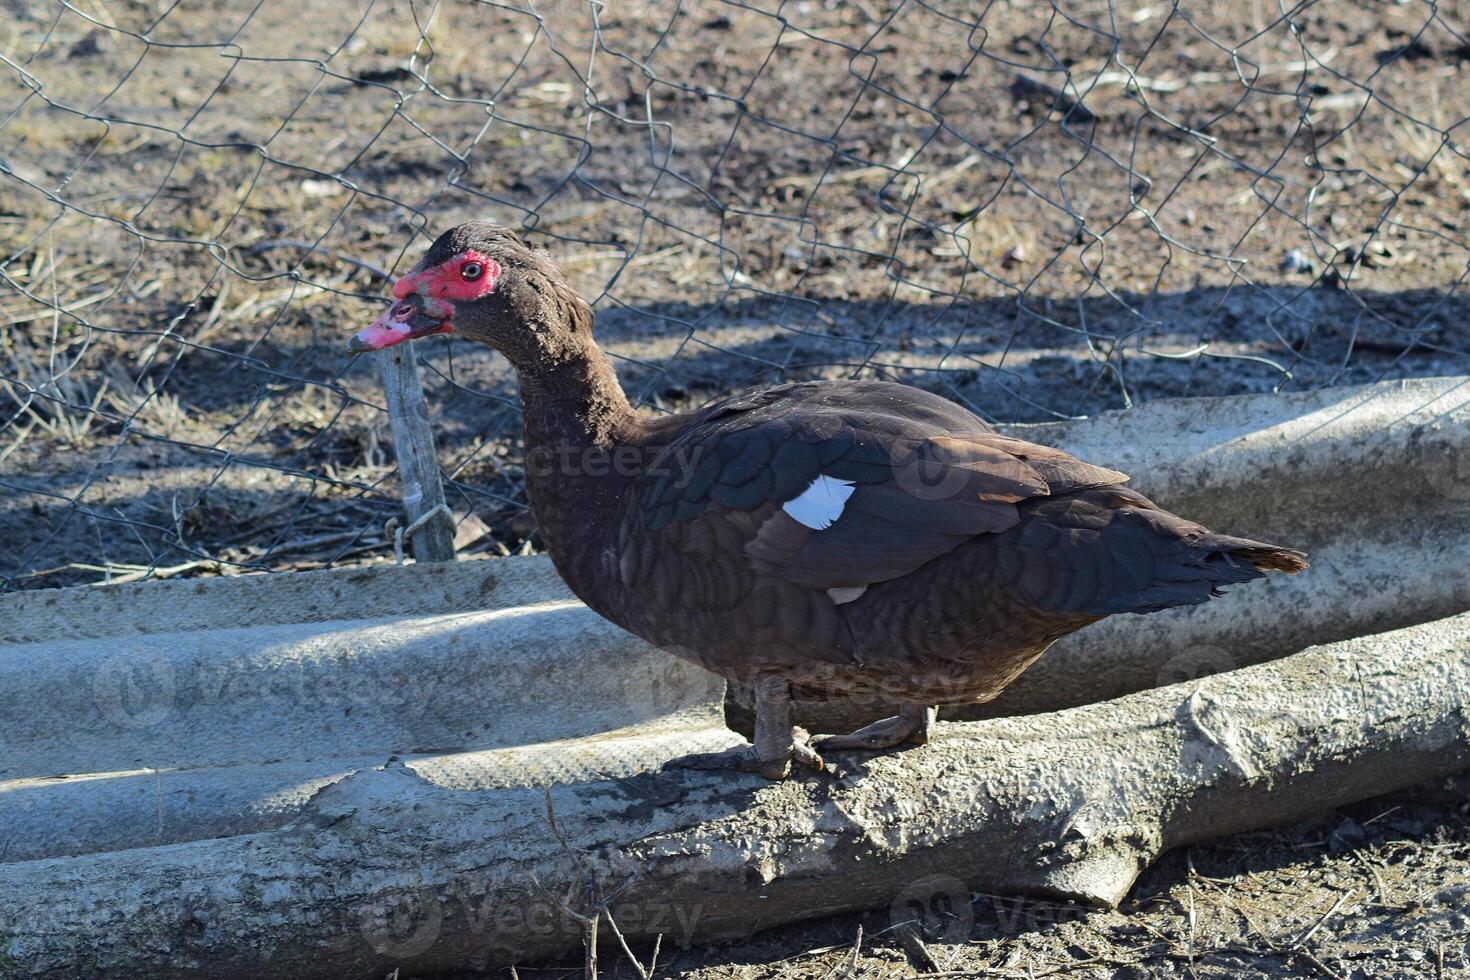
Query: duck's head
{"x":486,"y":283}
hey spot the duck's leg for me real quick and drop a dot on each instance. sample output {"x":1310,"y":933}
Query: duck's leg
{"x":777,"y":742}
{"x":912,"y":724}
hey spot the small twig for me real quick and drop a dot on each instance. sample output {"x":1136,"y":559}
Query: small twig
{"x":551,"y":818}
{"x":1028,"y":974}
{"x":1372,"y":820}
{"x":1079,"y":964}
{"x":1189,"y":949}
{"x":336,"y":537}
{"x":658,"y":943}
{"x":16,"y":319}
{"x":589,"y":921}
{"x":133,"y":573}
{"x":652,"y":963}
{"x":838,"y":177}
{"x":1325,"y":916}
{"x":1323,"y":967}
{"x":913,"y":944}
{"x":589,"y":942}
{"x":1030,"y":90}
{"x":850,"y":967}
{"x":212,"y":319}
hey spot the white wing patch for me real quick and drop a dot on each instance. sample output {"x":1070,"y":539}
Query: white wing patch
{"x":839,"y":596}
{"x":820,"y":504}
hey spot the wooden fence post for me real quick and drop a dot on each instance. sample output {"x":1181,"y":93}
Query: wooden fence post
{"x":418,"y":463}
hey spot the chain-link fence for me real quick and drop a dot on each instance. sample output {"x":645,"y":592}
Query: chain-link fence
{"x":1043,"y":210}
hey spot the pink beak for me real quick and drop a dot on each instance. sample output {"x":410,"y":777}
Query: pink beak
{"x":404,"y":320}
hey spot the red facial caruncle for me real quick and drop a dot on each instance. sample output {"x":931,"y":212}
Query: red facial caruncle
{"x":426,"y":300}
{"x":466,"y":277}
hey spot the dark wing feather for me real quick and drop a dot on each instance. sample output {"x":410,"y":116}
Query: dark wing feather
{"x":928,"y":477}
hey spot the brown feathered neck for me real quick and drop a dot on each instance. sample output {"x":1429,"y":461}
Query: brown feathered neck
{"x":576,"y":416}
{"x":577,"y":400}
{"x":569,"y":391}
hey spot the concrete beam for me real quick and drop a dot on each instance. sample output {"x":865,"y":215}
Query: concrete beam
{"x":156,"y":715}
{"x":431,"y":865}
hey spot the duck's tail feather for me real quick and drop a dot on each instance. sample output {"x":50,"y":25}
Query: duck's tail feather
{"x":1112,"y":550}
{"x":1265,"y":557}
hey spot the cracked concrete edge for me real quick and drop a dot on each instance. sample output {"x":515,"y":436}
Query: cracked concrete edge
{"x":387,"y":868}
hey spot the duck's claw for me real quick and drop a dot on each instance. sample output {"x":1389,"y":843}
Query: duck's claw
{"x":748,"y":758}
{"x":803,"y":754}
{"x":912,"y":725}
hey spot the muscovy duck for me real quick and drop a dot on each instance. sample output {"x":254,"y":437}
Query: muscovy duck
{"x":818,"y":539}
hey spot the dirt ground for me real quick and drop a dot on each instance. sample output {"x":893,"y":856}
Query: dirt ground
{"x":1042,"y":210}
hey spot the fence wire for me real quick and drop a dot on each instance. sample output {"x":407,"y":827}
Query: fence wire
{"x":1043,"y":210}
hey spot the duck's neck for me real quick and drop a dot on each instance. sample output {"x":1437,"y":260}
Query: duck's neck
{"x":575,"y":402}
{"x":578,"y":431}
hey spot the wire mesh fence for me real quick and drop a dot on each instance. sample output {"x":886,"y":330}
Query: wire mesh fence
{"x":1043,"y":210}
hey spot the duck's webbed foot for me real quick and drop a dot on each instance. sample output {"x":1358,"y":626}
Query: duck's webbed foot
{"x":912,"y":724}
{"x":777,"y":742}
{"x":772,"y":763}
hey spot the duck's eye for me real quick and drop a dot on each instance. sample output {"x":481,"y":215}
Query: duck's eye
{"x":471,"y":271}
